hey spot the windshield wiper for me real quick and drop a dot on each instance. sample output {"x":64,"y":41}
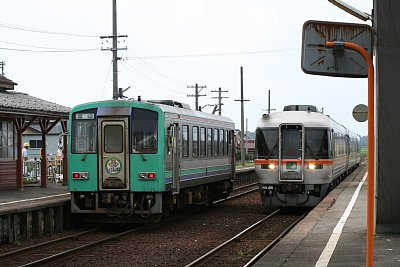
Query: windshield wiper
{"x":270,"y":152}
{"x":312,"y":153}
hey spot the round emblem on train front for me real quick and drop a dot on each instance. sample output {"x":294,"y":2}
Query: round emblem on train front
{"x":113,"y":166}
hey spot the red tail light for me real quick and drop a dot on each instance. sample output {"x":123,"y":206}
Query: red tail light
{"x":80,"y":175}
{"x":147,"y":176}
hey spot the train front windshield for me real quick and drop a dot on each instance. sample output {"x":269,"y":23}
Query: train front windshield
{"x":84,"y":132}
{"x":317,"y":143}
{"x":267,"y":143}
{"x":143,"y":132}
{"x":291,"y":141}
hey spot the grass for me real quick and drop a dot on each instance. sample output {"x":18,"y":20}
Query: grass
{"x":364,"y":151}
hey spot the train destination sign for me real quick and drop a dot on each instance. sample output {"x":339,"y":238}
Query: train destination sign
{"x":317,"y":59}
{"x":360,"y":113}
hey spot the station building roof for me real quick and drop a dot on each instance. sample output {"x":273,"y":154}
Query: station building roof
{"x":17,"y":104}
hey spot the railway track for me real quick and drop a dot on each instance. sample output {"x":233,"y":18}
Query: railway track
{"x":248,"y":246}
{"x":50,"y":251}
{"x":46,"y":252}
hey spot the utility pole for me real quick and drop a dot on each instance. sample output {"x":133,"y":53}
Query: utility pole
{"x":2,"y":63}
{"x":220,"y":99}
{"x":269,"y":102}
{"x":114,"y":49}
{"x":196,"y":95}
{"x":242,"y":154}
{"x":247,"y":130}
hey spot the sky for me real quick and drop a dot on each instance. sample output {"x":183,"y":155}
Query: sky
{"x":53,"y":50}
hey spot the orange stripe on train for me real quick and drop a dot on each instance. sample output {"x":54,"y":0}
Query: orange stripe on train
{"x":275,"y":161}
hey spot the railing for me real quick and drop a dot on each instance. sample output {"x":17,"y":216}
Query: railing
{"x":31,"y":170}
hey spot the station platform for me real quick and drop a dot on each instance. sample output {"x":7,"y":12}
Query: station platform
{"x":31,"y":195}
{"x":33,"y":212}
{"x":335,"y":232}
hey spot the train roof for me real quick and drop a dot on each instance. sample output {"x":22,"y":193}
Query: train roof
{"x":184,"y":110}
{"x":169,"y":107}
{"x":306,"y":118}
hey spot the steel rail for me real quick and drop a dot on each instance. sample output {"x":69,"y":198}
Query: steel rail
{"x":236,"y":237}
{"x":86,"y":246}
{"x":274,"y":242}
{"x":6,"y":255}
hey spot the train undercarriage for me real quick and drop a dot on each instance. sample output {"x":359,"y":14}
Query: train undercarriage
{"x":125,"y":206}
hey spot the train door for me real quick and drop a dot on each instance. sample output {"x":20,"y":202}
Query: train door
{"x":291,"y":153}
{"x":174,"y":156}
{"x":113,"y":153}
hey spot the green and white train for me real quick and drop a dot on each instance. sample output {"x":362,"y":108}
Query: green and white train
{"x":133,"y":161}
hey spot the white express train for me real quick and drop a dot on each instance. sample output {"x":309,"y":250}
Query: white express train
{"x":301,"y":154}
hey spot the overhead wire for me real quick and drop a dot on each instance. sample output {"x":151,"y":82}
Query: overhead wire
{"x":163,"y":62}
{"x":105,"y":82}
{"x":158,"y":72}
{"x":147,"y":78}
{"x":240,"y":53}
{"x":44,"y":49}
{"x":35,"y":30}
{"x":50,"y":51}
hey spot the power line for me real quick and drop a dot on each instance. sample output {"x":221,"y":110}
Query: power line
{"x":160,"y":60}
{"x":216,"y":54}
{"x":46,"y":48}
{"x":160,"y":73}
{"x":49,"y":51}
{"x":147,"y":78}
{"x":105,"y":83}
{"x":35,"y":30}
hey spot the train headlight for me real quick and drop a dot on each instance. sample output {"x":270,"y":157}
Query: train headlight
{"x":272,"y":166}
{"x":313,"y":166}
{"x":269,"y":166}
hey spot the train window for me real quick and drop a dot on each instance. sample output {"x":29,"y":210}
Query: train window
{"x":209,"y":142}
{"x":144,"y":131}
{"x":203,"y":137}
{"x":215,"y":142}
{"x":185,"y":141}
{"x":227,"y":142}
{"x":221,"y":142}
{"x":291,"y":141}
{"x":267,"y":143}
{"x":113,"y":138}
{"x":83,"y":133}
{"x":195,"y":141}
{"x":230,"y":135}
{"x":317,"y":143}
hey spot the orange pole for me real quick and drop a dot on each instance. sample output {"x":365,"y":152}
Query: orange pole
{"x":371,"y":149}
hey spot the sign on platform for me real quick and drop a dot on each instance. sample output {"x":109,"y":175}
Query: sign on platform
{"x":360,"y":113}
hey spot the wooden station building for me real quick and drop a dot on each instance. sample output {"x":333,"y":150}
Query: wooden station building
{"x":17,"y":112}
